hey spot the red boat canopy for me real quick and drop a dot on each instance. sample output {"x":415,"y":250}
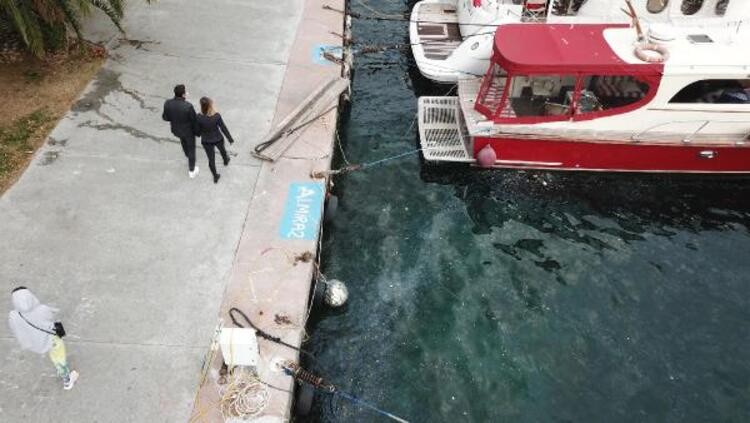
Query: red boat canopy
{"x":562,"y":49}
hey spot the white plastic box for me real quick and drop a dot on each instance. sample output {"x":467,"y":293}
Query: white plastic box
{"x":239,"y":346}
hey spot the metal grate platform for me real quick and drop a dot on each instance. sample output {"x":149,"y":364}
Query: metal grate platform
{"x":442,"y":131}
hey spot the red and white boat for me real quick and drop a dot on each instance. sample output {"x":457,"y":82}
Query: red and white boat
{"x":593,"y":97}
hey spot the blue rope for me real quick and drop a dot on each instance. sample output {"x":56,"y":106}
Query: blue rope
{"x":377,"y":162}
{"x":317,"y":383}
{"x":358,"y":401}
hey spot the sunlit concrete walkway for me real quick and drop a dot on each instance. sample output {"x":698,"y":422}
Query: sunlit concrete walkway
{"x":106,"y":225}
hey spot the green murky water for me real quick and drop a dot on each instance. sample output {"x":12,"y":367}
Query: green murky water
{"x":512,"y":296}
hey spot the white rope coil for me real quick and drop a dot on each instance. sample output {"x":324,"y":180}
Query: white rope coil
{"x":244,"y":397}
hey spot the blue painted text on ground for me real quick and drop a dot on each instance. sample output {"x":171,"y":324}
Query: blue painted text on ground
{"x":301,"y":217}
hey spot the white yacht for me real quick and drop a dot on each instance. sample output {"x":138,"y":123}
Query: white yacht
{"x":451,"y":39}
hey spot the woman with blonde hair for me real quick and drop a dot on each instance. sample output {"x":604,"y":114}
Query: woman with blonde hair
{"x":210,"y":127}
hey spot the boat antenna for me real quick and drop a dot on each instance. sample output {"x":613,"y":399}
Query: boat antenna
{"x":634,"y":16}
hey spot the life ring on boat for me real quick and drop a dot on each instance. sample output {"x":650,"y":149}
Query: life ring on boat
{"x":646,"y":52}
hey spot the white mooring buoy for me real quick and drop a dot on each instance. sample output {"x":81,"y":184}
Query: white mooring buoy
{"x":336,"y":293}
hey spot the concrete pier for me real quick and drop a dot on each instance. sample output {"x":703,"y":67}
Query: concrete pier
{"x":269,"y":280}
{"x":142,"y":261}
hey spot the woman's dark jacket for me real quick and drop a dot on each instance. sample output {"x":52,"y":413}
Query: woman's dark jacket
{"x":210,"y":128}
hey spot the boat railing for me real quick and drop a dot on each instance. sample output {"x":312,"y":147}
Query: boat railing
{"x":688,"y":131}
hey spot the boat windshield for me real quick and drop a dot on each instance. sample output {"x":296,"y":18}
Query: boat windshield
{"x":544,"y":98}
{"x":541,"y":95}
{"x":493,"y":87}
{"x":561,"y":72}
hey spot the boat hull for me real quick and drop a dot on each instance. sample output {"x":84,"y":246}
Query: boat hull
{"x":617,"y":157}
{"x":441,"y":53}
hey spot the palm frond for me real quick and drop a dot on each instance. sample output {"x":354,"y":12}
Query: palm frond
{"x":118,"y":6}
{"x":26,"y":24}
{"x":71,"y":17}
{"x":48,"y":10}
{"x":14,"y":13}
{"x":105,"y":7}
{"x":29,"y":17}
{"x":83,"y":6}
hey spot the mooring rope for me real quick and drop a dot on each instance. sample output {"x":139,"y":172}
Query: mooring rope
{"x":396,"y":18}
{"x":388,"y":159}
{"x":246,"y":396}
{"x":379,"y":13}
{"x":318,"y":383}
{"x":363,"y":166}
{"x":341,"y":148}
{"x":258,"y":149}
{"x":362,"y":403}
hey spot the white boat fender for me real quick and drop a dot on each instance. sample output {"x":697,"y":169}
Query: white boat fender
{"x":336,"y":293}
{"x":652,"y":53}
{"x":487,"y":156}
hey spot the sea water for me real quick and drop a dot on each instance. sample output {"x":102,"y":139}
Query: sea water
{"x":511,"y":296}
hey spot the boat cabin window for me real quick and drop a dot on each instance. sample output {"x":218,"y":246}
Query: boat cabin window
{"x":566,"y":7}
{"x":656,"y":6}
{"x":539,"y":95}
{"x":544,"y":98}
{"x":607,"y":92}
{"x":691,"y":7}
{"x":716,"y":91}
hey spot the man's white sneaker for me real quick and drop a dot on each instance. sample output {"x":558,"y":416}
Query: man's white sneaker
{"x":72,"y":378}
{"x":194,"y":172}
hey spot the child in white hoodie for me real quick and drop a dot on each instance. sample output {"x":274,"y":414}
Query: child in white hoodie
{"x":33,"y":325}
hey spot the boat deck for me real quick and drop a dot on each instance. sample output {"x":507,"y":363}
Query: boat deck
{"x":437,"y":28}
{"x":468,"y":89}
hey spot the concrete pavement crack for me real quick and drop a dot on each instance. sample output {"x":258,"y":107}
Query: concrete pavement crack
{"x":137,"y":133}
{"x":107,"y":82}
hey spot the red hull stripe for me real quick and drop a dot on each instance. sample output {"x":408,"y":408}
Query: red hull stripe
{"x":577,"y":155}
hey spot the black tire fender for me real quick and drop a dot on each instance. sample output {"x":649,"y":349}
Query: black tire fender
{"x":332,"y":206}
{"x":304,"y":400}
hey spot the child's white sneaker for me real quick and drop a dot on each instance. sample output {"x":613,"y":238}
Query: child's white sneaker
{"x":72,"y":378}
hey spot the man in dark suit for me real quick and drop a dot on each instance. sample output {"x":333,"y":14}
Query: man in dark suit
{"x":181,"y":117}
